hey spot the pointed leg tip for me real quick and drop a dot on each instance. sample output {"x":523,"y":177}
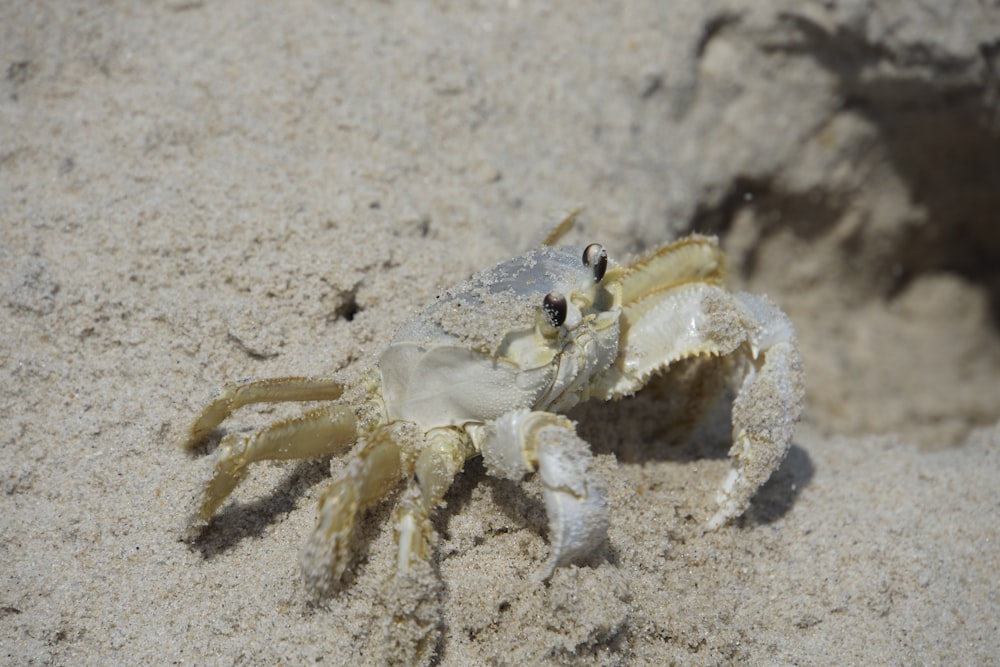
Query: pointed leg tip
{"x":192,"y":439}
{"x":718,"y":520}
{"x":545,"y":572}
{"x":321,"y":570}
{"x":195,"y":527}
{"x":324,"y":559}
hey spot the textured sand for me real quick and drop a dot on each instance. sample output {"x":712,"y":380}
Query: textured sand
{"x":194,"y":192}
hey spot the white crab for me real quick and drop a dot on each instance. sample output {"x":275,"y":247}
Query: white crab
{"x":486,"y":369}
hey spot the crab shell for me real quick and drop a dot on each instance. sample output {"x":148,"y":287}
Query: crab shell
{"x":486,"y":348}
{"x":487,"y":368}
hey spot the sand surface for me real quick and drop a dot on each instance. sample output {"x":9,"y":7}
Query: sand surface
{"x":196,"y":192}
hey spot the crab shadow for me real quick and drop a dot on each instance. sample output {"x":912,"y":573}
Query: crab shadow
{"x":652,"y":427}
{"x":520,"y":504}
{"x":519,"y":507}
{"x":239,"y":521}
{"x":638,"y":430}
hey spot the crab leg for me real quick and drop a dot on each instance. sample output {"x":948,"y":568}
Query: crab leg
{"x":244,"y":392}
{"x":766,"y":406}
{"x":321,"y":431}
{"x":521,"y":442}
{"x":695,"y":320}
{"x":372,"y":472}
{"x":443,"y":457}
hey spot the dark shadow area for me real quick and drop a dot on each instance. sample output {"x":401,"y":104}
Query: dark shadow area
{"x":236,"y":522}
{"x":780,"y":493}
{"x":520,"y":506}
{"x":513,"y":500}
{"x":660,"y":423}
{"x":889,"y":229}
{"x":951,"y":163}
{"x":654,"y":425}
{"x":348,"y":307}
{"x":459,"y":495}
{"x":809,"y":215}
{"x":938,"y":122}
{"x":517,"y":501}
{"x":940,"y":129}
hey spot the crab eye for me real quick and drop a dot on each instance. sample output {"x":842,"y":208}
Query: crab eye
{"x":554,"y":305}
{"x":596,"y":256}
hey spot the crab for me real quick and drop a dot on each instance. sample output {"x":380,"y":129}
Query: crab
{"x":490,"y":367}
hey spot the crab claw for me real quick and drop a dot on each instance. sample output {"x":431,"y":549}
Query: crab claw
{"x":574,"y":499}
{"x":521,"y":442}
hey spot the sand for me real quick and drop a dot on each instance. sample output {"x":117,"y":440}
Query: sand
{"x":197,"y":192}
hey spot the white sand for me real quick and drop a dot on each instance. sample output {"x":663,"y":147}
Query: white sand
{"x":198,"y":192}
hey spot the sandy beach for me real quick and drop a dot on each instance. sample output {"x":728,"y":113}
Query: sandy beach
{"x":192,"y":193}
